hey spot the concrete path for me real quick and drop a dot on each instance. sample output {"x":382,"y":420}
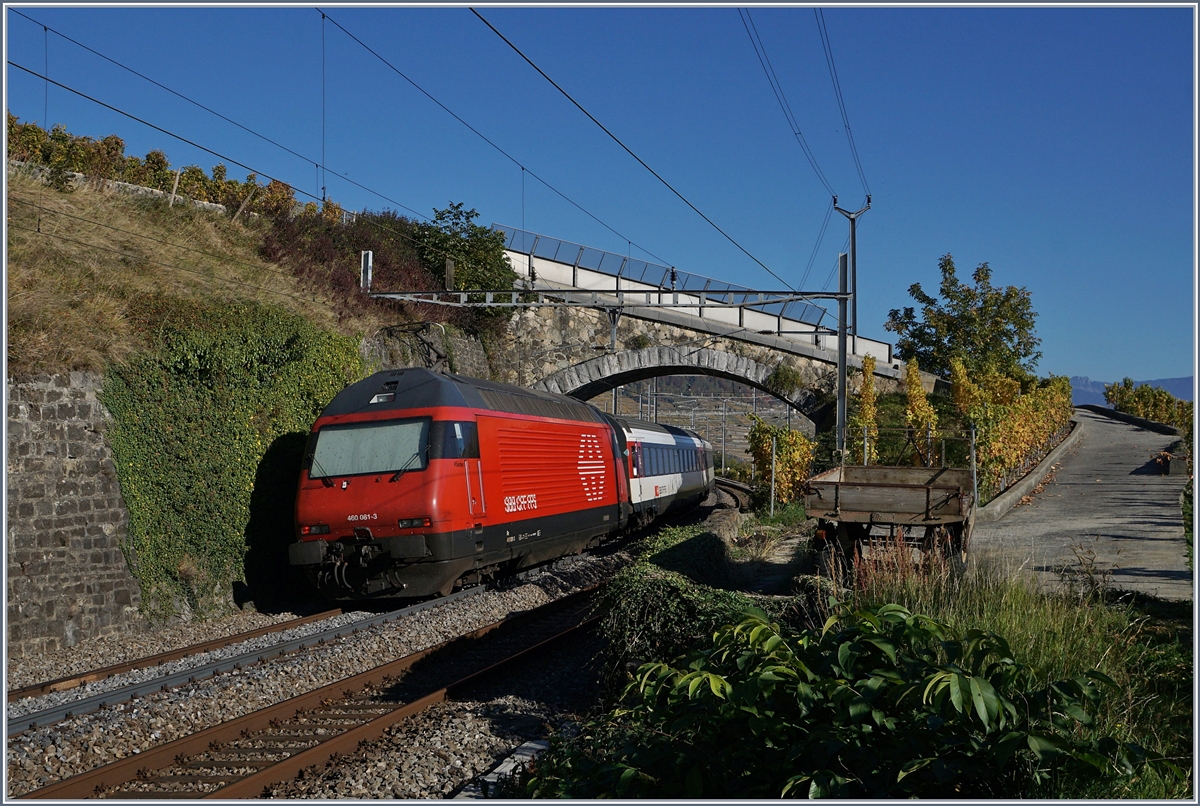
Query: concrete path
{"x":1107,"y":508}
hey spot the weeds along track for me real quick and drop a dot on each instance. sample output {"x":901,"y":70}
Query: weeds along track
{"x":245,"y":756}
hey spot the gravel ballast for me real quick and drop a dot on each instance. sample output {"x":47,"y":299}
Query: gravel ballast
{"x":45,"y":755}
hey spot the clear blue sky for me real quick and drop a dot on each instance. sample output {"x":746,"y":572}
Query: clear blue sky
{"x":1056,"y":144}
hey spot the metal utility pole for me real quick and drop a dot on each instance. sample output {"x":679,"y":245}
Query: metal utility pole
{"x":841,"y":365}
{"x":723,"y":402}
{"x":853,"y":287}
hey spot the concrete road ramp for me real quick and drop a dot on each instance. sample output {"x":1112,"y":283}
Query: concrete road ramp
{"x":1108,"y":513}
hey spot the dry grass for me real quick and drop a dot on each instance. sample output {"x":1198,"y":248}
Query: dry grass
{"x":84,"y":265}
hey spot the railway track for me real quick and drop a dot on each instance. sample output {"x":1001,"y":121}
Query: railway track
{"x":75,"y":681}
{"x":24,"y":720}
{"x":242,"y":757}
{"x":739,"y":491}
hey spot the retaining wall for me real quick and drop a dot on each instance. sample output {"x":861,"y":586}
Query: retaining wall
{"x":67,"y":578}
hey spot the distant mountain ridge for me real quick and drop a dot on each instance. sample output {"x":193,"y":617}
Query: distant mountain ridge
{"x":1084,"y":390}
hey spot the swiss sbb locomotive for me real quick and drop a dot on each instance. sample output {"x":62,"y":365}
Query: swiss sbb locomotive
{"x":414,"y":483}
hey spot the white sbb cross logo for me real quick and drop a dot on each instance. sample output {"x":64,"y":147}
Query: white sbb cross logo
{"x":591,"y":467}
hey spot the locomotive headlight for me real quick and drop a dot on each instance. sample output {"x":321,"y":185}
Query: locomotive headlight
{"x":413,"y":523}
{"x":315,"y":529}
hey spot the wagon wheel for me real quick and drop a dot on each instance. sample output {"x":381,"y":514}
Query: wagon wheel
{"x":838,"y":547}
{"x":948,"y":543}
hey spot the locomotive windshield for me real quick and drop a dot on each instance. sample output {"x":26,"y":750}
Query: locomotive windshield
{"x":374,"y":447}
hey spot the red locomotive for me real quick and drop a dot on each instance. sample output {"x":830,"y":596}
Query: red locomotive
{"x":415,"y":483}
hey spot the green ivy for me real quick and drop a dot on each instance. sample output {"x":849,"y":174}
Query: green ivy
{"x":202,"y":422}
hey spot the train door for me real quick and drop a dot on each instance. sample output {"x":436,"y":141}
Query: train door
{"x":473,"y":470}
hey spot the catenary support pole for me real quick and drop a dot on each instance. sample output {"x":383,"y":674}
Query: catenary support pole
{"x":841,"y":365}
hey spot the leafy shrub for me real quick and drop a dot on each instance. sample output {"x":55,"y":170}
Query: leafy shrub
{"x":667,"y":600}
{"x":1154,"y":404}
{"x":192,"y":420}
{"x":63,"y":152}
{"x":864,"y":422}
{"x":880,"y":703}
{"x":793,"y":460}
{"x":1014,"y":429}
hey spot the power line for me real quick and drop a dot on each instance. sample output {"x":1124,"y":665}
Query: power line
{"x":483,"y":137}
{"x":820,"y":237}
{"x":222,"y":258}
{"x":819,"y":14}
{"x":185,"y":98}
{"x":161,"y":263}
{"x":629,"y":151}
{"x":764,"y":60}
{"x":217,"y":154}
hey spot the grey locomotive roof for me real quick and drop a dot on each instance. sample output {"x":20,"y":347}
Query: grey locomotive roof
{"x":417,"y":388}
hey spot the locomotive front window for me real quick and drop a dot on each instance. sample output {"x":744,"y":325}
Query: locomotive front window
{"x":375,"y":447}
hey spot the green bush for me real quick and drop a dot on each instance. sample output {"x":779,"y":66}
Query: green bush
{"x":881,"y":703}
{"x":193,"y":419}
{"x":665,"y":601}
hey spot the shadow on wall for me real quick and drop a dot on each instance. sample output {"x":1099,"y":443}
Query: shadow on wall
{"x":272,"y":583}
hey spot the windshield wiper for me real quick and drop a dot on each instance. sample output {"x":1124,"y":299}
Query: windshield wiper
{"x":328,"y":482}
{"x":407,"y":466}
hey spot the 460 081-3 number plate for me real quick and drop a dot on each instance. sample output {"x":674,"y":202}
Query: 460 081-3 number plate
{"x":364,"y":516}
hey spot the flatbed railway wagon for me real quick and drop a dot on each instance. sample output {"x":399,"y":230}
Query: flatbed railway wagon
{"x":930,"y":508}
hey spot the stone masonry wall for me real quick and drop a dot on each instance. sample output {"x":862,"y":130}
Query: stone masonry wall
{"x":545,"y":340}
{"x":67,"y":578}
{"x":431,"y":346}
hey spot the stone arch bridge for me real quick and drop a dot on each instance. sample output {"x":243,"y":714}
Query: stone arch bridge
{"x":596,"y":376}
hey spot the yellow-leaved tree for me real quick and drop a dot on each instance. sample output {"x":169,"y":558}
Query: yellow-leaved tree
{"x":864,"y":425}
{"x":793,"y":458}
{"x":919,"y":415}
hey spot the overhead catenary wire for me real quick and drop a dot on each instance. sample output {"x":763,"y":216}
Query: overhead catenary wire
{"x":160,"y":241}
{"x":764,"y":61}
{"x":194,"y":102}
{"x":819,"y":14}
{"x":161,"y":263}
{"x":629,"y":151}
{"x":217,"y":154}
{"x":319,"y":166}
{"x":483,"y":137}
{"x":816,"y":247}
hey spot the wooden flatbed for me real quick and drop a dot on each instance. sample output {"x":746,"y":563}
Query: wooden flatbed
{"x":929,"y":507}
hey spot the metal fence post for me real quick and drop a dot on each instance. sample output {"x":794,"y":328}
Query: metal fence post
{"x":772,"y":476}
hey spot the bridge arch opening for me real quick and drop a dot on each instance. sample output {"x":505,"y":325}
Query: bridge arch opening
{"x":602,"y":374}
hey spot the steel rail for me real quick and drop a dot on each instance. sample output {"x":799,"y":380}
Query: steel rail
{"x":20,"y":724}
{"x":75,"y":681}
{"x":107,"y":777}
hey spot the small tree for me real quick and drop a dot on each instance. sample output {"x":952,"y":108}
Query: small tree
{"x":918,"y":415}
{"x":989,"y":329}
{"x":793,"y":457}
{"x":477,"y":252}
{"x":864,"y":425}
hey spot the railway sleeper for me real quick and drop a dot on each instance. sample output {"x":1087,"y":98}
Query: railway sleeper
{"x":151,"y":794}
{"x":236,"y":763}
